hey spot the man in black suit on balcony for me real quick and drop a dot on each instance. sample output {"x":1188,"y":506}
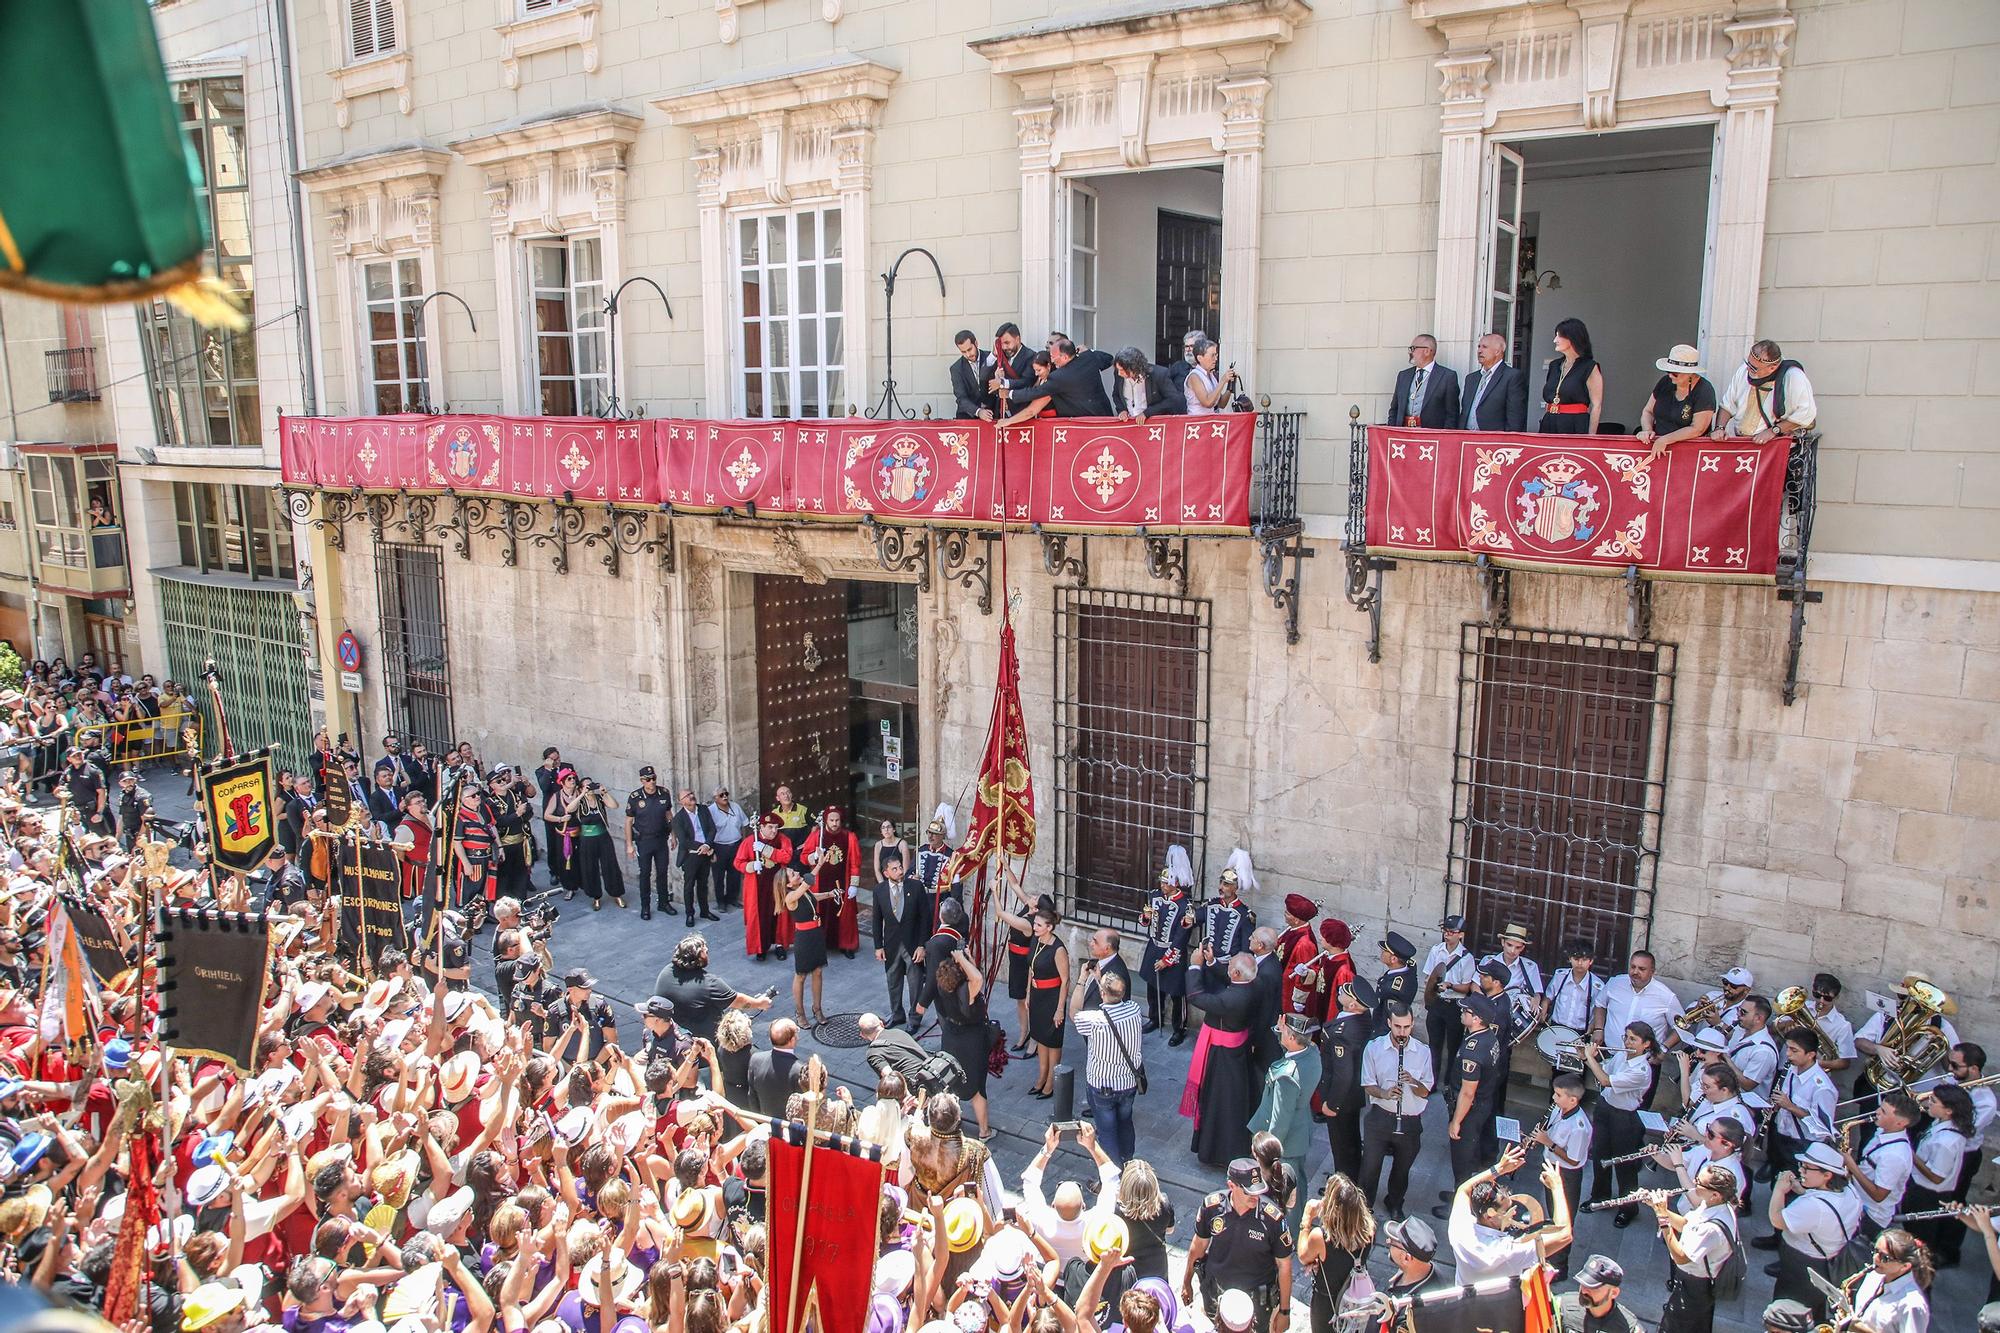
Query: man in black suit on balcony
{"x":1496,"y":394}
{"x":1426,"y":392}
{"x":1075,"y":387}
{"x":1013,"y":363}
{"x":1141,"y":389}
{"x":970,"y":375}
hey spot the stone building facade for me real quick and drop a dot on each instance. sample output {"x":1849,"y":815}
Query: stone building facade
{"x":1824,"y":176}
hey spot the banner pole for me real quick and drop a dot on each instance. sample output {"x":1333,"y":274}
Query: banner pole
{"x":360,"y":916}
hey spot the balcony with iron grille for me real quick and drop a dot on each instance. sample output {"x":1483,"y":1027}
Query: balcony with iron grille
{"x":927,"y":492}
{"x":1706,"y":510}
{"x":72,"y":375}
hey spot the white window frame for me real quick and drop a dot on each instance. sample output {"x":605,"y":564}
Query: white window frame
{"x":536,"y":8}
{"x":412,"y":350}
{"x":1081,"y":318}
{"x":823,"y":384}
{"x":584,"y":311}
{"x":1502,"y":211}
{"x":371,"y":14}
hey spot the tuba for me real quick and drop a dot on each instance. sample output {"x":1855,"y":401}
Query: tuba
{"x":1916,"y":1041}
{"x":1792,"y":1011}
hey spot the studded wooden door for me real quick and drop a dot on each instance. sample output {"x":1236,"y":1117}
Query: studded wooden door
{"x":1188,"y":285}
{"x":1560,"y":791}
{"x":803,"y":692}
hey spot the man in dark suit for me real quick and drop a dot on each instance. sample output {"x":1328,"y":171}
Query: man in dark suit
{"x":970,"y":376}
{"x":1270,"y":989}
{"x":385,"y":804}
{"x":1189,"y":343}
{"x":1141,"y":389}
{"x":694,"y":843}
{"x":902,"y":918}
{"x":1075,"y":387}
{"x":771,"y":1071}
{"x":1426,"y":392}
{"x":1104,"y":961}
{"x":1496,"y":394}
{"x":1013,"y":363}
{"x":892,"y":1050}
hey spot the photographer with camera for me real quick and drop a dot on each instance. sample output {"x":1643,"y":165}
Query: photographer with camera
{"x":1209,"y":391}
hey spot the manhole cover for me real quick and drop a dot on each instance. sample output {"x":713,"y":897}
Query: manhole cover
{"x":840,"y":1031}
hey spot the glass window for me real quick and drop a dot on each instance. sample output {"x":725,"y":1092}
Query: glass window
{"x":788,"y":320}
{"x":204,"y":381}
{"x":56,"y":510}
{"x":566,"y":293}
{"x":391,"y":291}
{"x":235,"y":530}
{"x":1083,"y":265}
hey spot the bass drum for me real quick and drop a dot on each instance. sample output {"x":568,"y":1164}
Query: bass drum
{"x":1558,"y":1046}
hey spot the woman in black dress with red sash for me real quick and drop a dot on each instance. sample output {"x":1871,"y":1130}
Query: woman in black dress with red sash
{"x":1048,"y":997}
{"x":1573,"y":391}
{"x":808,"y":942}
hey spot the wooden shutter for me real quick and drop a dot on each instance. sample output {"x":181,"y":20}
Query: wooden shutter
{"x":371,"y":26}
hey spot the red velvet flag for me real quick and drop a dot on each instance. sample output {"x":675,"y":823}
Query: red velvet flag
{"x":820,"y":1238}
{"x":1003,"y":809}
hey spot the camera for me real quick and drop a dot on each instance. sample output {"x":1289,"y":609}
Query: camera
{"x":539,"y":916}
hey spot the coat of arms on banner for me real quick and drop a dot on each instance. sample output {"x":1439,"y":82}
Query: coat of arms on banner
{"x":904,"y":470}
{"x":1558,"y":501}
{"x":464,"y":454}
{"x":236,"y":796}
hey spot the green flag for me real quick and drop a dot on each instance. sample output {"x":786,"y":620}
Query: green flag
{"x":97,"y":189}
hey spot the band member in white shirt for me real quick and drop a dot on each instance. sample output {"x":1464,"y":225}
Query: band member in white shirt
{"x":1524,"y":974}
{"x":1882,"y":1172}
{"x":1639,"y":996}
{"x":1826,"y":1015}
{"x":1721,"y":1145}
{"x":1964,"y":1065}
{"x":1940,"y":1155}
{"x":1804,"y":1097}
{"x":1623,"y":1079}
{"x":1867,"y":1039}
{"x":1565,"y":1140}
{"x":1699,"y":1242}
{"x":1736,"y":984}
{"x":1397,"y":1077}
{"x":1752,"y":1053}
{"x":1813,"y":1213}
{"x":1721,"y":1096}
{"x":1894,"y":1297}
{"x":1449,"y":973}
{"x":1574,"y":995}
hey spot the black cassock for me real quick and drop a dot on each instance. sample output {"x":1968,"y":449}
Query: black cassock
{"x":1225,"y":1097}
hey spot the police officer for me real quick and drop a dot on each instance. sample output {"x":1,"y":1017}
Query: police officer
{"x":457,"y":951}
{"x":1482,"y":1079}
{"x":1493,"y":978}
{"x":1225,"y":930}
{"x":284,"y":882}
{"x":1340,"y":1045}
{"x":649,"y":817}
{"x":1241,"y":1243}
{"x":663,"y":1047}
{"x":534,"y":998}
{"x":1169,"y":920}
{"x":134,"y":804}
{"x":581,"y":1023}
{"x":1399,"y":980}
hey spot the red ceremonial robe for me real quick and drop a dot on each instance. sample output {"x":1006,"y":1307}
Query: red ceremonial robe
{"x":763,"y":923}
{"x":837,"y":872}
{"x":1297,"y":947}
{"x":1337,"y":970}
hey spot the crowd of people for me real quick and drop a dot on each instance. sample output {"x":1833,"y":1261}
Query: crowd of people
{"x":415,"y":1150}
{"x":1010,"y":383}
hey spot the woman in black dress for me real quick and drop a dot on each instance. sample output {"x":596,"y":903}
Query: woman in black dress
{"x":1020,"y":944}
{"x":965,"y":1034}
{"x":808,"y":943}
{"x":1573,"y":391}
{"x":1048,"y":998}
{"x":1683,"y":403}
{"x":1148,"y":1216}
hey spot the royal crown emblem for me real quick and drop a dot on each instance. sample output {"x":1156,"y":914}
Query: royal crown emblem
{"x":1558,"y":503}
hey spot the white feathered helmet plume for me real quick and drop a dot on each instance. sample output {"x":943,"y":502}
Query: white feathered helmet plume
{"x":945,"y":821}
{"x":1237,"y":871}
{"x":1179,"y":870}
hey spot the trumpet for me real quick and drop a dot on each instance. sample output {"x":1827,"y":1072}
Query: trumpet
{"x":1704,"y":1013}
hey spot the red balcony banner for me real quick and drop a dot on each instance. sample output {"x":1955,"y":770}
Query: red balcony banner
{"x":1169,"y":474}
{"x":1703,"y":509}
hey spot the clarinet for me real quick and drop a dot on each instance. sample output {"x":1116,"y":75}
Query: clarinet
{"x":1636,"y":1196}
{"x":1402,"y":1051}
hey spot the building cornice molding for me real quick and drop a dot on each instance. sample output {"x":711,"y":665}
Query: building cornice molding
{"x":381,"y":201}
{"x":798,"y":132}
{"x":825,"y":83}
{"x":552,"y":30}
{"x":1250,"y":29}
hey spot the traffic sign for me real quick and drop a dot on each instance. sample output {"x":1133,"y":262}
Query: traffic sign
{"x":348,"y":650}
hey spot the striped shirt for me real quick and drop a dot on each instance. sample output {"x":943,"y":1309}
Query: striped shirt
{"x":1102,"y":1030}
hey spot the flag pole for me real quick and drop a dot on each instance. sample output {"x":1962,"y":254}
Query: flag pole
{"x":805,"y":1202}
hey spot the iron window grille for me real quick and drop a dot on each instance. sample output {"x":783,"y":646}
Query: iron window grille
{"x":1559,"y":772}
{"x":416,"y":666}
{"x":1133,"y":677}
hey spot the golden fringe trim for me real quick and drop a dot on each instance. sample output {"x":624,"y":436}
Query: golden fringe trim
{"x":212,"y":303}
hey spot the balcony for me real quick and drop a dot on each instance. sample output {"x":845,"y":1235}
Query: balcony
{"x":1708,"y":511}
{"x":73,"y":520}
{"x":72,"y":375}
{"x":919,"y":488}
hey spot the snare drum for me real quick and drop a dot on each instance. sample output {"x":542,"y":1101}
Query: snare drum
{"x":1558,"y":1046}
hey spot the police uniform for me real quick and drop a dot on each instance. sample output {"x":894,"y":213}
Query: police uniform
{"x":528,"y":997}
{"x":1225,"y":928}
{"x":1481,"y":1058}
{"x":1169,"y":920}
{"x":1398,"y":983}
{"x":650,"y":817}
{"x":1244,"y":1251}
{"x":1341,"y":1043}
{"x":597,"y":1016}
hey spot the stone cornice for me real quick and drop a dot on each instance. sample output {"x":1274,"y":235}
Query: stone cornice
{"x":840,"y":79}
{"x":1124,"y":31}
{"x":395,"y":164}
{"x":581,"y":127}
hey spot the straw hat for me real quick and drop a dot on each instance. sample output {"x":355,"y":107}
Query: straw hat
{"x":1683,"y":360}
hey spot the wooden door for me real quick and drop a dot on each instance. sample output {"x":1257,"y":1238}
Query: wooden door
{"x":1189,"y":286}
{"x":106,"y":638}
{"x":1562,"y":740}
{"x":1135,"y":761}
{"x":803,"y":692}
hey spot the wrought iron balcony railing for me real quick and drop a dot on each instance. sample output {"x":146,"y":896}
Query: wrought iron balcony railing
{"x":72,"y":375}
